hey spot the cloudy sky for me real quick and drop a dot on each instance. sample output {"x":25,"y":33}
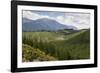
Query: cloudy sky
{"x":79,"y":20}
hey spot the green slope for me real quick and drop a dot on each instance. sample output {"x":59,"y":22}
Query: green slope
{"x":61,"y":46}
{"x":76,"y":47}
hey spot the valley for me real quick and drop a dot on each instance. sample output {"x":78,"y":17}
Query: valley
{"x":67,"y":44}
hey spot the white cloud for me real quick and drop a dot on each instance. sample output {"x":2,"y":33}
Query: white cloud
{"x":60,"y":19}
{"x":30,"y":15}
{"x":79,"y":20}
{"x":33,"y":16}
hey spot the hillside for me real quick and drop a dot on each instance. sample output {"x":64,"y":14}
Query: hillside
{"x":77,"y":46}
{"x":62,"y":46}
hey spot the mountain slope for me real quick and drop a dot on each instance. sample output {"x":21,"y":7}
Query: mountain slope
{"x":44,"y":24}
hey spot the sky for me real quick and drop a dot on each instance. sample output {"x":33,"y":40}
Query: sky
{"x":79,"y":20}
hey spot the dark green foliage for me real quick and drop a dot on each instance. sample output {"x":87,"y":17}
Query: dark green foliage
{"x":61,"y":45}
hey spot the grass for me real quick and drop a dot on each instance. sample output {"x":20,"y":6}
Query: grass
{"x":60,"y":45}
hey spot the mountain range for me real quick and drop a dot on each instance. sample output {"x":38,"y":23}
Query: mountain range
{"x":44,"y":24}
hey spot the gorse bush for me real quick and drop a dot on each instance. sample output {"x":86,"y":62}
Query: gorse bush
{"x":30,"y":54}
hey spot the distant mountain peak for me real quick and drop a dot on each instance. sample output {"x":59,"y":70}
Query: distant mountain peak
{"x":44,"y":19}
{"x":44,"y":24}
